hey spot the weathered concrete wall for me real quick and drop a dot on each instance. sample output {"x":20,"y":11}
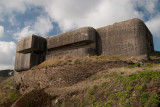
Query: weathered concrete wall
{"x":31,"y":51}
{"x":87,"y":34}
{"x":79,"y":52}
{"x":22,"y":61}
{"x":127,"y":38}
{"x":79,"y":43}
{"x":31,"y":43}
{"x":26,"y":61}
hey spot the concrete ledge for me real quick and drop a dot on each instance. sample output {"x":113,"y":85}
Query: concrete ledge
{"x":87,"y":34}
{"x":31,"y":43}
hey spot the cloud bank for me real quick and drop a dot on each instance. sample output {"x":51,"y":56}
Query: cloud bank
{"x":154,"y":25}
{"x":73,"y":14}
{"x":1,"y":31}
{"x":7,"y":55}
{"x":41,"y":27}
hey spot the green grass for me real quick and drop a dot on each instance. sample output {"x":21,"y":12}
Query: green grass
{"x":136,"y":84}
{"x":145,"y":65}
{"x":149,"y":65}
{"x":134,"y":65}
{"x":125,"y":90}
{"x":8,"y":94}
{"x":92,"y":90}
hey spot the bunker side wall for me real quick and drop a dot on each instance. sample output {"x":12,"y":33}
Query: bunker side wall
{"x":127,"y":38}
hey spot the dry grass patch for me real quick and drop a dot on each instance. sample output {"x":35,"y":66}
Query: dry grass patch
{"x":67,"y":60}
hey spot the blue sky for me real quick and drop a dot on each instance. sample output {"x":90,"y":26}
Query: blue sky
{"x":19,"y":18}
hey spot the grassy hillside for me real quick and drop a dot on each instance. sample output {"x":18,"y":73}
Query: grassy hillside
{"x":124,"y":87}
{"x":135,"y":85}
{"x":8,"y":94}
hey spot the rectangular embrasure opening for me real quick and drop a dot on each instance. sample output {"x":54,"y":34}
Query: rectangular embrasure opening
{"x":73,"y":45}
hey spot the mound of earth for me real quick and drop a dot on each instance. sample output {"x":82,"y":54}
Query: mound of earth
{"x":64,"y":72}
{"x":91,"y":81}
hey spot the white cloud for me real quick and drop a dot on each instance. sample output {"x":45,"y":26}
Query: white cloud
{"x":1,"y":31}
{"x":13,"y":21}
{"x":72,"y":14}
{"x":154,"y":25}
{"x":7,"y":55}
{"x":149,"y":6}
{"x":24,"y":32}
{"x":41,"y":27}
{"x":9,"y":7}
{"x":96,"y":13}
{"x":13,"y":6}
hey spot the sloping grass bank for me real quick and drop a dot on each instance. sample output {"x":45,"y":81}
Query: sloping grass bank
{"x":135,"y":85}
{"x":8,"y":94}
{"x":109,"y":89}
{"x":104,"y":89}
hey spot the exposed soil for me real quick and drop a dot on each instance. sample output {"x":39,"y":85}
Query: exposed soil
{"x":35,"y":98}
{"x":62,"y":76}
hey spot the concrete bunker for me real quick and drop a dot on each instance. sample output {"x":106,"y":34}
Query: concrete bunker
{"x":127,"y":38}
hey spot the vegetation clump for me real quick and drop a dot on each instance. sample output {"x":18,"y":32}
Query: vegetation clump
{"x":35,"y":98}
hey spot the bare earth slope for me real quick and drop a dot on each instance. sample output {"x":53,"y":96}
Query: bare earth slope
{"x":66,"y":71}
